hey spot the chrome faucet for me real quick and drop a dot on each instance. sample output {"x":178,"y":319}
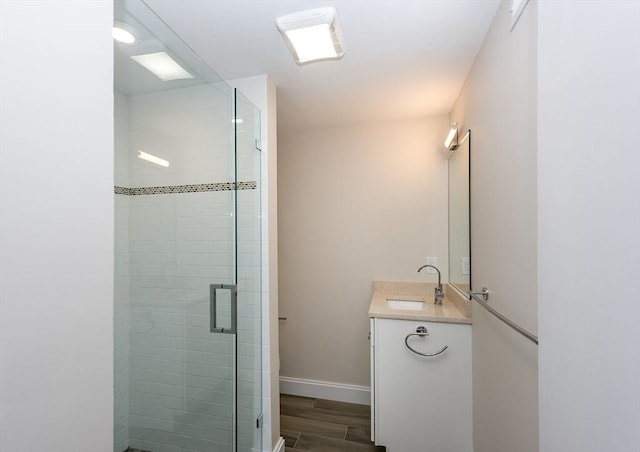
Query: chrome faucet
{"x":439,"y":294}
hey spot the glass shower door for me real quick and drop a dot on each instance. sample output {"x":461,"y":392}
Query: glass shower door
{"x":188,"y":266}
{"x":249,"y":271}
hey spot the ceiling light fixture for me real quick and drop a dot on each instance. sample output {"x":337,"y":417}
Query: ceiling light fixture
{"x":162,"y":66}
{"x":153,"y":159}
{"x":312,"y":35}
{"x":453,"y":133}
{"x":121,"y":34}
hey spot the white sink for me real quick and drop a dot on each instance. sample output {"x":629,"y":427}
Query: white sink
{"x":407,"y":305}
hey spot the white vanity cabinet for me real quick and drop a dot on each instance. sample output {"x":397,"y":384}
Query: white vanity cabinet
{"x":420,"y":403}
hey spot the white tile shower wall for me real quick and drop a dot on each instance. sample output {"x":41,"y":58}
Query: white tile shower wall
{"x":121,"y":281}
{"x":190,"y":127}
{"x":121,"y":139}
{"x":181,"y":374}
{"x":121,"y":325}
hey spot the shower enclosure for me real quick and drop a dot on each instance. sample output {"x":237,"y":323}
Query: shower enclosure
{"x":188,"y":239}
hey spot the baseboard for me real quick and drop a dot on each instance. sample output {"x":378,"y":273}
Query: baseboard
{"x":279,"y":446}
{"x":326,"y":390}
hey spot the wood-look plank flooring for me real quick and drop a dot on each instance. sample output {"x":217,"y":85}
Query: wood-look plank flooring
{"x":319,"y":425}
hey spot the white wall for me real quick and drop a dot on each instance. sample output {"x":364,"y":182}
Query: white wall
{"x":357,"y":204}
{"x":589,"y":225}
{"x":56,"y":233}
{"x":498,"y":104}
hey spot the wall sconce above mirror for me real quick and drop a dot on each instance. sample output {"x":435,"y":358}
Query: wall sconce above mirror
{"x":459,"y":213}
{"x":451,"y":142}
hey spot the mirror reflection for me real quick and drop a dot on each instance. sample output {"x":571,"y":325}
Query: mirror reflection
{"x":459,"y":239}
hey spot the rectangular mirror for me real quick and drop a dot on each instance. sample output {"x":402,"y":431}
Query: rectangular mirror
{"x":459,"y":218}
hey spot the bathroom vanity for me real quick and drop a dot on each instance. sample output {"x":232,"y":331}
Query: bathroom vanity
{"x":421,"y":396}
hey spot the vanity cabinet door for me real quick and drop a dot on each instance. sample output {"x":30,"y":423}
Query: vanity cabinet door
{"x":372,"y":368}
{"x":422,"y":403}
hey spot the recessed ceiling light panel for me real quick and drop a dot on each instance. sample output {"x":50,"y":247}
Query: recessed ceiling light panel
{"x":313,"y":35}
{"x":162,"y":66}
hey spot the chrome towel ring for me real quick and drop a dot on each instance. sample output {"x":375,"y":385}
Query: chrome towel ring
{"x":422,"y":332}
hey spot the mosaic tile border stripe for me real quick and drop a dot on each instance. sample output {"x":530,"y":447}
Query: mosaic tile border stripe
{"x":192,"y":188}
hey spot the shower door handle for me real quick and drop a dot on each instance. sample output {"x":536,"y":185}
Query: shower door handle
{"x":230,"y":314}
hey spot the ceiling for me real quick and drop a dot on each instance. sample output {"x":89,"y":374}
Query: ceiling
{"x":403,"y":58}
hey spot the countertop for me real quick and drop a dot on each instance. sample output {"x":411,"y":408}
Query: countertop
{"x":454,"y":309}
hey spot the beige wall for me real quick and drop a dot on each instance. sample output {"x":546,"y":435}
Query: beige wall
{"x":356,"y":204}
{"x":498,"y":104}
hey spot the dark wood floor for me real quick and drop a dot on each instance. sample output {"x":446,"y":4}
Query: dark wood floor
{"x":320,"y":425}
